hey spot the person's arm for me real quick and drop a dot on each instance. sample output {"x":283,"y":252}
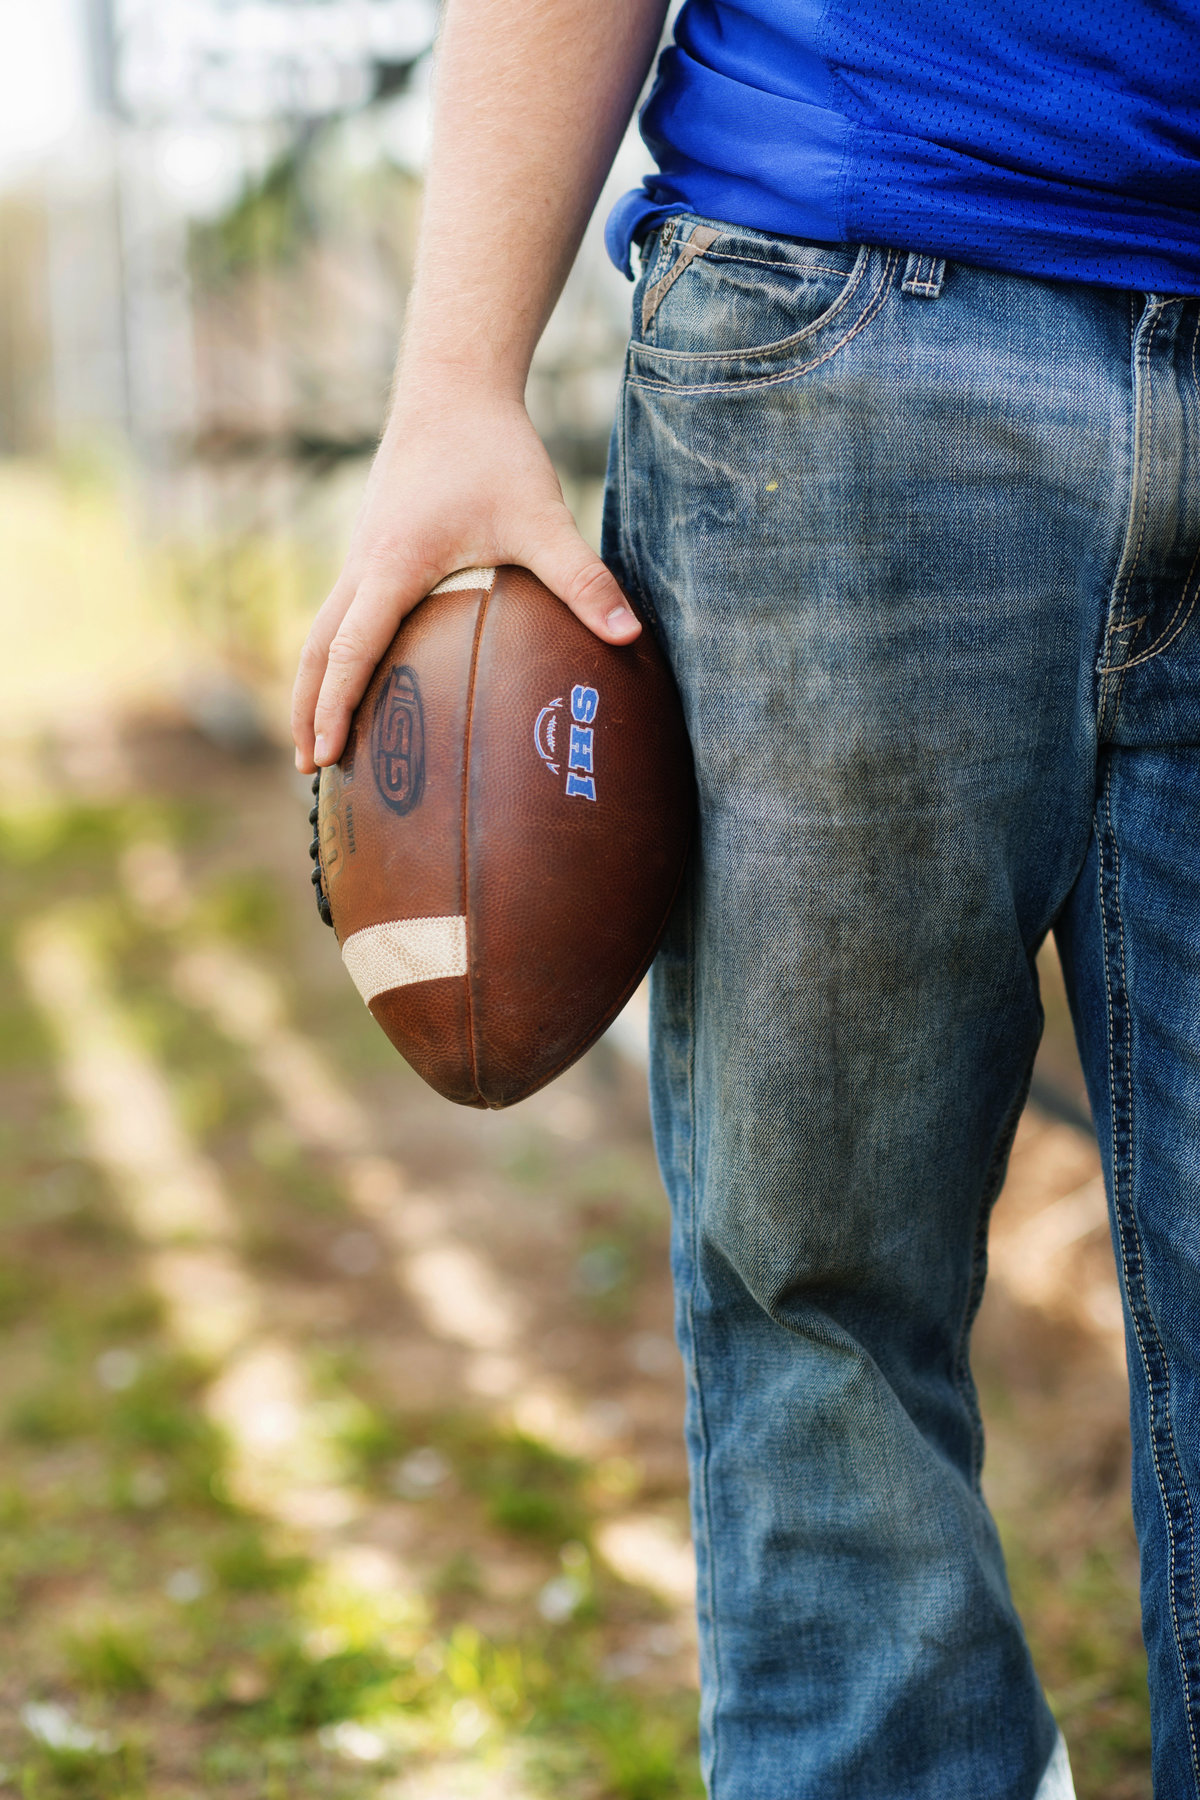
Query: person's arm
{"x":530,"y":104}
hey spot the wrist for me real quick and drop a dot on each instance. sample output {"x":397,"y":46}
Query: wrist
{"x":471,"y":367}
{"x":426,"y":396}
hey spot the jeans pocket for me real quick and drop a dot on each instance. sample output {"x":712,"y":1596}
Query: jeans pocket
{"x":719,"y":305}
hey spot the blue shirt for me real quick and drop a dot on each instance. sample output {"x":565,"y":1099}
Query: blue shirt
{"x":1052,"y":137}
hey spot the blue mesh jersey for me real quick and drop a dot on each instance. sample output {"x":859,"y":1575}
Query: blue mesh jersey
{"x":1052,"y":137}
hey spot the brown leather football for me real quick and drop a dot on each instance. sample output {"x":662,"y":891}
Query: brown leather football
{"x":504,"y":836}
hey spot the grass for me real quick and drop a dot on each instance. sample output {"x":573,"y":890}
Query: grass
{"x":107,"y":1660}
{"x":1082,"y":1616}
{"x":524,"y":1488}
{"x":243,"y":1564}
{"x":78,"y":1772}
{"x":191,"y":1645}
{"x":527,"y":1489}
{"x":161,"y":1638}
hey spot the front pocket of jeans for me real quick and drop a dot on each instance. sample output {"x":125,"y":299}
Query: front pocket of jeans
{"x":728,"y":321}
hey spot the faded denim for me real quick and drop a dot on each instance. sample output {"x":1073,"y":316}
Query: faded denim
{"x":921,"y":542}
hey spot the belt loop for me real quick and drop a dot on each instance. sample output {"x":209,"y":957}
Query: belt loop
{"x":923,"y":275}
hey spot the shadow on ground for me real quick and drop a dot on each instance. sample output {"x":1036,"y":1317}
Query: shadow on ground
{"x":342,"y":1427}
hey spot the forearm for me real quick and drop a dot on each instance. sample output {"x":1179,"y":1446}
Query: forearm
{"x":530,"y":102}
{"x":529,"y":106}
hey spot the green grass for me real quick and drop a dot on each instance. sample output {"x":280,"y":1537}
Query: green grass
{"x":305,"y":1691}
{"x":64,"y":1773}
{"x":108,"y":1660}
{"x":244,"y":907}
{"x":163,"y":1620}
{"x":526,"y":1490}
{"x":1082,"y":1619}
{"x":244,"y":1564}
{"x":198,"y":1646}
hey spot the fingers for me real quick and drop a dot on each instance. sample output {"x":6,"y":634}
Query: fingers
{"x":575,"y":573}
{"x":357,"y":623}
{"x":311,"y":672}
{"x":365,"y":631}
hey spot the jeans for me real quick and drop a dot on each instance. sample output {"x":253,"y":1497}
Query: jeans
{"x":922,"y":545}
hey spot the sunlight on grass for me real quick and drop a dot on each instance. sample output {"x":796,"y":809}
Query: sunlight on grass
{"x":216,"y":1628}
{"x":301,"y":1555}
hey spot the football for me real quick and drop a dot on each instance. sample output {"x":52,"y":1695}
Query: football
{"x":500,"y":845}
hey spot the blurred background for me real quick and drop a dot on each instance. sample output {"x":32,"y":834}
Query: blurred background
{"x":341,"y":1428}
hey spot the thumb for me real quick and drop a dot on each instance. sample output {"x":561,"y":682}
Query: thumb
{"x":573,"y":571}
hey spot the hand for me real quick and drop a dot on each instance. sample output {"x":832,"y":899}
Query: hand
{"x":461,"y":481}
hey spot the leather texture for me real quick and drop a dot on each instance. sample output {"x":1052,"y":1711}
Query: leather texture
{"x":507,"y":767}
{"x":383,"y":957}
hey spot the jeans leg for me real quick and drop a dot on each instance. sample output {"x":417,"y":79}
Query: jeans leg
{"x":1131,"y":949}
{"x":857,"y":1633}
{"x":880,"y":583}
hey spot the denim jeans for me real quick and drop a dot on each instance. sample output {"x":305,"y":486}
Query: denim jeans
{"x":922,"y":545}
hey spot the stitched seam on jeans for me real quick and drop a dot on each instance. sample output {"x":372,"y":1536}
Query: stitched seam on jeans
{"x":1136,"y":1255}
{"x":1143,"y":427}
{"x":760,"y":381}
{"x":993,"y":1177}
{"x":710,"y":1558}
{"x":629,"y":563}
{"x":623,"y":474}
{"x":796,"y":337}
{"x":662,"y":250}
{"x":962,"y":1367}
{"x":925,"y":278}
{"x":1167,"y":637}
{"x":769,"y":262}
{"x":1141,"y":462}
{"x":653,"y":270}
{"x":689,"y":252}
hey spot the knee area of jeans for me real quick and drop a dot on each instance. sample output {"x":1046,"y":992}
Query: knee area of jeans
{"x":793,"y":1267}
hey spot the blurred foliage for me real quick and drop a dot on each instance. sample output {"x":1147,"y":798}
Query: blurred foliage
{"x":109,"y":1661}
{"x":268,"y":222}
